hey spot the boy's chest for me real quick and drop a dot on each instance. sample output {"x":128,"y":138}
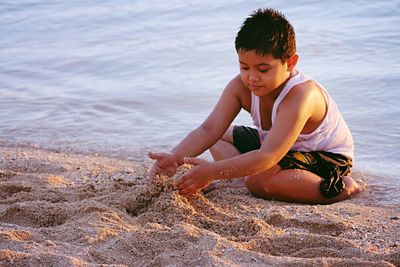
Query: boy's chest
{"x":265,"y":109}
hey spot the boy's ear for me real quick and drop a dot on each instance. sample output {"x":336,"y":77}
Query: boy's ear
{"x":292,"y":61}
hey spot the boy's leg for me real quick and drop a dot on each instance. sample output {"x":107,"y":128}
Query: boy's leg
{"x":224,"y":148}
{"x":296,"y":185}
{"x":293,"y":185}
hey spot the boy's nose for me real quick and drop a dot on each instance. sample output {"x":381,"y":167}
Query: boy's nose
{"x":253,"y":77}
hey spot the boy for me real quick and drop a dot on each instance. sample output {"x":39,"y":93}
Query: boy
{"x":302,"y":148}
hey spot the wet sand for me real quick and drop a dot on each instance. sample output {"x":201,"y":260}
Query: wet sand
{"x":69,"y":209}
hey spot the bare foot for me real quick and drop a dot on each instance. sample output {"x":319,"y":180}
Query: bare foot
{"x":354,"y":187}
{"x":350,"y":190}
{"x":229,"y":183}
{"x":362,"y":185}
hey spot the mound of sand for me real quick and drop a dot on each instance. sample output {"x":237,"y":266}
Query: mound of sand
{"x":66,"y":209}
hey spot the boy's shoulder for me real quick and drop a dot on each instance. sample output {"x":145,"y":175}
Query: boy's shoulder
{"x":236,"y":84}
{"x":237,"y":88}
{"x":307,"y":86}
{"x":308,"y":96}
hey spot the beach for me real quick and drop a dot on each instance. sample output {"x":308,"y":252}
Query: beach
{"x":88,"y":88}
{"x":59,"y":208}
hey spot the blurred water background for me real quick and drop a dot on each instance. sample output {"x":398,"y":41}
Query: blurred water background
{"x":126,"y":76}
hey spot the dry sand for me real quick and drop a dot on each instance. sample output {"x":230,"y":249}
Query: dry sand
{"x":68,"y":209}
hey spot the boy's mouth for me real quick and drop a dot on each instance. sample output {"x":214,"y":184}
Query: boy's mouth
{"x":255,"y":86}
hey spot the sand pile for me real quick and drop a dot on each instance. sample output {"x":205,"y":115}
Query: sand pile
{"x":66,"y":209}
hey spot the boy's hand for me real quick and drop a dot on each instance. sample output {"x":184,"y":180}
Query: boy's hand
{"x":196,"y":178}
{"x":165,"y":164}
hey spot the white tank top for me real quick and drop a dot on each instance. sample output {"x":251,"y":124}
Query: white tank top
{"x":332,"y":135}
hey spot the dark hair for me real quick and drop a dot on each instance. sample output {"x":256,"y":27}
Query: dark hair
{"x":267,"y":31}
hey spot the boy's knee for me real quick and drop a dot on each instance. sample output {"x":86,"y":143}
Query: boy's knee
{"x":228,"y":135}
{"x":216,"y":147}
{"x":249,"y":181}
{"x":258,"y":187}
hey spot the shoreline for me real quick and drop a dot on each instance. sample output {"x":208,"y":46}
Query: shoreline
{"x":63,"y":208}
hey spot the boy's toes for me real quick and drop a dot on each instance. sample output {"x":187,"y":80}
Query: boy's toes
{"x":354,"y":187}
{"x":362,"y":185}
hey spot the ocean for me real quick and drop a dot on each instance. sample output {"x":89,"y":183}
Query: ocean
{"x":127,"y":77}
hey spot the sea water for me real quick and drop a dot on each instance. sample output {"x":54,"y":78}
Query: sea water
{"x":125,"y":76}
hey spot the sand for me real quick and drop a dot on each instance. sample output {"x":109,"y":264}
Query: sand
{"x":72,"y":209}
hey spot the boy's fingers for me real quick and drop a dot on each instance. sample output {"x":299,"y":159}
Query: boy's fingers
{"x":156,"y":156}
{"x":189,"y":190}
{"x":192,"y":161}
{"x":184,"y":178}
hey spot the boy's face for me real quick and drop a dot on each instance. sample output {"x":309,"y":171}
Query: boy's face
{"x":263,"y":74}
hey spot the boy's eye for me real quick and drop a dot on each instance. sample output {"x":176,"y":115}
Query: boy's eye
{"x":263,"y":71}
{"x":244,"y":68}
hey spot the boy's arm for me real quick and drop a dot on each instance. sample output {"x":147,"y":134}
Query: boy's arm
{"x":210,"y":131}
{"x":293,"y":113}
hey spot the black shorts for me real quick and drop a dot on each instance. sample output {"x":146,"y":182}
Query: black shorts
{"x":329,"y":166}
